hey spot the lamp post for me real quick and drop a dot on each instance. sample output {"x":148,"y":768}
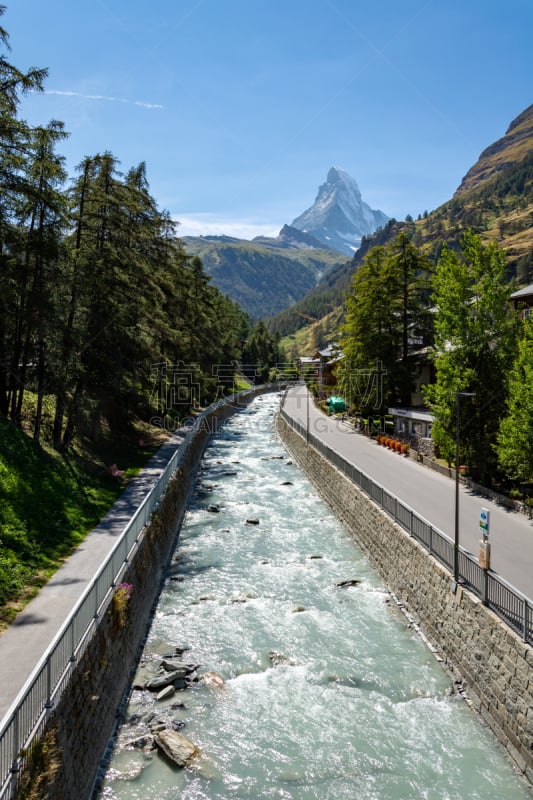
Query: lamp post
{"x":307,"y":425}
{"x":458,"y":396}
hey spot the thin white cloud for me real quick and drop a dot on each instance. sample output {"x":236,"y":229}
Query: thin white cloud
{"x":140,"y":103}
{"x":211,"y":224}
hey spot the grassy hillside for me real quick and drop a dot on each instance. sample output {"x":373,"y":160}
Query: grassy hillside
{"x":307,"y":339}
{"x":500,"y":209}
{"x":48,"y":503}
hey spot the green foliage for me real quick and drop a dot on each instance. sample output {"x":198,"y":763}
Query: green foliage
{"x":47,"y":505}
{"x":387,"y":320}
{"x":42,"y":763}
{"x":475,"y":336}
{"x":115,"y":297}
{"x":121,"y":599}
{"x":515,"y":438}
{"x":260,"y":354}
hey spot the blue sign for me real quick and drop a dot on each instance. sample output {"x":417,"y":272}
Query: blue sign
{"x":484,"y":521}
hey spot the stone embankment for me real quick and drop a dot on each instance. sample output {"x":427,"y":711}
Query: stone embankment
{"x":65,"y":763}
{"x":487,"y":659}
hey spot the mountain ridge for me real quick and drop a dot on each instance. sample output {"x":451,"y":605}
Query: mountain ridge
{"x":292,"y":238}
{"x":262,"y":278}
{"x":502,"y":153}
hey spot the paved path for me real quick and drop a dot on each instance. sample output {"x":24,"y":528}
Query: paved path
{"x":427,"y":492}
{"x":26,"y":640}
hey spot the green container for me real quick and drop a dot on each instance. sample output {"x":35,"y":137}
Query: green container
{"x":336,"y":404}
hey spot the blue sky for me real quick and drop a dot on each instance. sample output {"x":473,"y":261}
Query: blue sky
{"x":239,"y":107}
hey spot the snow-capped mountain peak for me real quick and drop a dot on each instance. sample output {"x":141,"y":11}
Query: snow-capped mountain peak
{"x":339,"y":217}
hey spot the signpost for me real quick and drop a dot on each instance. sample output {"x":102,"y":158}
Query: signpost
{"x":484,"y":550}
{"x":484,"y":522}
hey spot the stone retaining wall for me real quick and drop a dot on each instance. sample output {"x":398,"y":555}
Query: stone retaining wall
{"x":493,"y":664}
{"x":65,"y":763}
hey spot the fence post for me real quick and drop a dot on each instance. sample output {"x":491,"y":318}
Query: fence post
{"x":485,"y":588}
{"x":525,"y":616}
{"x":16,"y":742}
{"x":48,"y":703}
{"x":72,"y":645}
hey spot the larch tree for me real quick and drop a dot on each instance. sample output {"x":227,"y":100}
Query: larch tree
{"x":15,"y":138}
{"x":42,"y":214}
{"x":387,"y":320}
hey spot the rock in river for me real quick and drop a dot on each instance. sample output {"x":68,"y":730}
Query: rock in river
{"x":176,"y":747}
{"x":156,"y":684}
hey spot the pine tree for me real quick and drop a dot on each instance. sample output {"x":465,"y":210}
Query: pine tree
{"x":260,"y":353}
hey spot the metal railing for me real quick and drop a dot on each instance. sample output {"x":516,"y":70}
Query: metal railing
{"x":508,"y":603}
{"x":28,"y":714}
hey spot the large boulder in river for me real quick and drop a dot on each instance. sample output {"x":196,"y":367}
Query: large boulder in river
{"x":173,"y":665}
{"x":176,"y":747}
{"x":156,"y":684}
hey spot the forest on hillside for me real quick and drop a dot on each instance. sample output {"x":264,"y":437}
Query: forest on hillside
{"x":102,"y":312}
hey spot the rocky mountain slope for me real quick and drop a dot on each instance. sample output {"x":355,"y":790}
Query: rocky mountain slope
{"x":499,"y":156}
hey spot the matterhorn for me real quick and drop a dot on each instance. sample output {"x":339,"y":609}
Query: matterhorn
{"x":339,"y":217}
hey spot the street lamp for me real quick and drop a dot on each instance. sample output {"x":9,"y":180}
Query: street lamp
{"x":458,"y":396}
{"x":307,"y":425}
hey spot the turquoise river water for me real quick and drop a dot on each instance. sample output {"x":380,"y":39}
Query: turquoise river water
{"x":328,"y":693}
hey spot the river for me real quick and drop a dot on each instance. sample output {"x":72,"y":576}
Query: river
{"x":328,"y":692}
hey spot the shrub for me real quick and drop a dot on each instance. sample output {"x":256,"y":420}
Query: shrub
{"x":121,"y":600}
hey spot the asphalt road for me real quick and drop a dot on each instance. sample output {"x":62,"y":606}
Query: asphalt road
{"x":427,"y":492}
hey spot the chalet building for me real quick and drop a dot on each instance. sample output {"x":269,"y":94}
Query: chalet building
{"x":320,"y":367}
{"x":523,"y":301}
{"x":307,"y":367}
{"x":327,"y":361}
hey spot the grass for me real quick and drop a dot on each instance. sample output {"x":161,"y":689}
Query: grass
{"x":50,"y":501}
{"x":240,"y":383}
